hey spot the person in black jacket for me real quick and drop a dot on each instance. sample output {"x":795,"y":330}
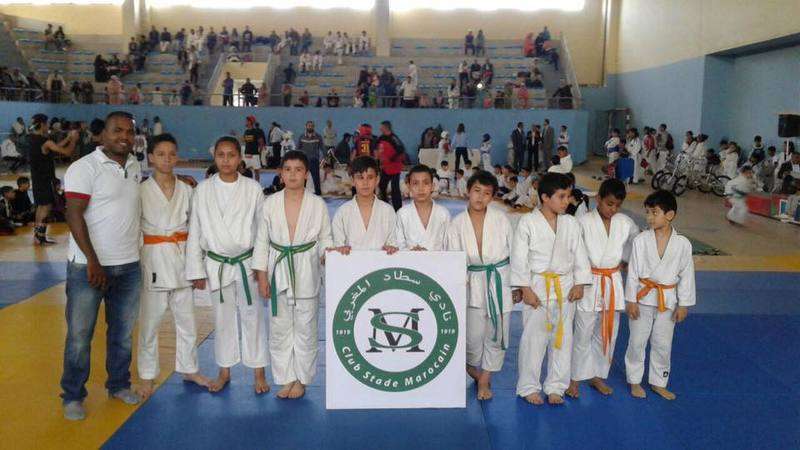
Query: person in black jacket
{"x":518,"y":141}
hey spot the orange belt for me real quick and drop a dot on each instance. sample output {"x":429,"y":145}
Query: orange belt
{"x":607,"y":327}
{"x":174,"y":238}
{"x":650,"y":285}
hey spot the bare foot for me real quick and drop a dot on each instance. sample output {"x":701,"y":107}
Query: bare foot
{"x":485,"y":386}
{"x":574,"y":389}
{"x":284,"y":392}
{"x":601,"y":386}
{"x":473,"y":372}
{"x":145,"y":389}
{"x":260,"y":382}
{"x":663,"y":392}
{"x":555,"y":399}
{"x":534,"y":399}
{"x":221,"y":381}
{"x":197,"y":379}
{"x":637,"y":391}
{"x":298,"y":390}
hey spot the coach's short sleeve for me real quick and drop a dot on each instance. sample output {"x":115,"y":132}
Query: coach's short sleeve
{"x":79,"y":180}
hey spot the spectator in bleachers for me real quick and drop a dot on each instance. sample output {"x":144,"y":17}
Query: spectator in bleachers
{"x":488,"y":72}
{"x":348,"y":44}
{"x":563,"y":95}
{"x":87,"y":92}
{"x":234,"y":40}
{"x":193,"y":59}
{"x":135,"y":94}
{"x":180,"y":39}
{"x":385,"y":88}
{"x":363,"y":44}
{"x":224,"y":38}
{"x":439,"y":100}
{"x":333,"y":99}
{"x":286,"y":93}
{"x":116,"y":91}
{"x":463,"y":73}
{"x":55,"y":86}
{"x":49,"y":39}
{"x":480,"y":44}
{"x":413,"y":73}
{"x":304,"y":62}
{"x":165,"y":40}
{"x":317,"y":61}
{"x":154,"y":38}
{"x":409,"y":89}
{"x":328,"y":43}
{"x":227,"y":90}
{"x":452,"y":95}
{"x":294,"y":42}
{"x":528,"y":47}
{"x":61,"y":41}
{"x":211,"y":41}
{"x":306,"y":40}
{"x":475,"y":71}
{"x":469,"y":43}
{"x":248,"y":92}
{"x":157,"y":97}
{"x":186,"y":93}
{"x":338,"y":47}
{"x":289,"y":74}
{"x":75,"y":92}
{"x":247,"y":39}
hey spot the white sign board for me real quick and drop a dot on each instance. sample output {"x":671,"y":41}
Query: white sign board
{"x":395,"y":330}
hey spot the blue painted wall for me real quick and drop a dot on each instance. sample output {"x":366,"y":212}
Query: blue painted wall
{"x":763,"y":85}
{"x":197,"y":127}
{"x":670,"y":94}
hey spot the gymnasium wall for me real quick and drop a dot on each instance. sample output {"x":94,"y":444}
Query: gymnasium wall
{"x":663,"y":70}
{"x":197,"y":127}
{"x":97,"y":20}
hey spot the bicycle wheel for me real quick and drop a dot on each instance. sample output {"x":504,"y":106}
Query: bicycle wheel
{"x":681,"y":183}
{"x":718,"y":185}
{"x":655,"y":183}
{"x":705,"y":183}
{"x":667,"y":181}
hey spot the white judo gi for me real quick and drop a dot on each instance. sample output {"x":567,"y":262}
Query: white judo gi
{"x":634,"y":148}
{"x":736,"y":190}
{"x":294,"y":301}
{"x":660,"y":284}
{"x":597,"y":314}
{"x":489,"y":303}
{"x":550,"y":264}
{"x":349,"y":229}
{"x":223,"y":225}
{"x":409,"y":231}
{"x":165,"y":225}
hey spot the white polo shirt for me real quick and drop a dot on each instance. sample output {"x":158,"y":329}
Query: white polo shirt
{"x":112,"y":216}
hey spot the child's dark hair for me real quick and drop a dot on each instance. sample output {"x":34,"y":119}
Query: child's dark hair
{"x":562,"y":147}
{"x":295,"y":155}
{"x":363,"y":164}
{"x":512,"y":178}
{"x":165,"y":137}
{"x":327,"y":165}
{"x":552,"y":182}
{"x":483,"y":178}
{"x":498,"y":166}
{"x":571,"y":177}
{"x":614,"y":188}
{"x":23,"y":180}
{"x":460,"y":171}
{"x":419,"y":168}
{"x":445,"y":163}
{"x":230,"y":140}
{"x":662,"y":199}
{"x":5,"y":190}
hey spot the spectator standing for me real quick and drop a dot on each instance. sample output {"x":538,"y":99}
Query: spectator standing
{"x":391,"y":153}
{"x":311,"y":144}
{"x":518,"y":142}
{"x":227,"y":90}
{"x":469,"y":43}
{"x":548,"y":143}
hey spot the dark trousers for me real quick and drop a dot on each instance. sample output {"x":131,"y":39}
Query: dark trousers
{"x":314,"y":167}
{"x":227,"y":99}
{"x":519,"y":158}
{"x":397,"y":198}
{"x":461,"y":152}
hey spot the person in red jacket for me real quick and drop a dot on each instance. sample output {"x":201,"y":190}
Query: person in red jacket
{"x":365,"y":142}
{"x":392,"y":155}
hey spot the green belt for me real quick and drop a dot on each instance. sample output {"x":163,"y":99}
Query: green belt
{"x":287,"y":252}
{"x":495,"y":308}
{"x":236,"y":260}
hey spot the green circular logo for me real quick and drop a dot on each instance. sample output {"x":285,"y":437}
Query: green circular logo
{"x":396,"y":333}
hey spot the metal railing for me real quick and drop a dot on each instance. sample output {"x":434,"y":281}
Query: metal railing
{"x":569,"y":69}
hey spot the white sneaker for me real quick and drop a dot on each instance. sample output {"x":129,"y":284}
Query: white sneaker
{"x":74,"y":410}
{"x":126,"y":396}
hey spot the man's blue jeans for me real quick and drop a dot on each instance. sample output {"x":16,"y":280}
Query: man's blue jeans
{"x":121,"y":308}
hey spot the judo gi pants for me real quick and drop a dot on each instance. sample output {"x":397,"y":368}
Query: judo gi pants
{"x":658,"y":327}
{"x":588,"y":359}
{"x":536,"y":341}
{"x":228,"y":316}
{"x":293,"y":340}
{"x":153,"y":305}
{"x":483,"y":350}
